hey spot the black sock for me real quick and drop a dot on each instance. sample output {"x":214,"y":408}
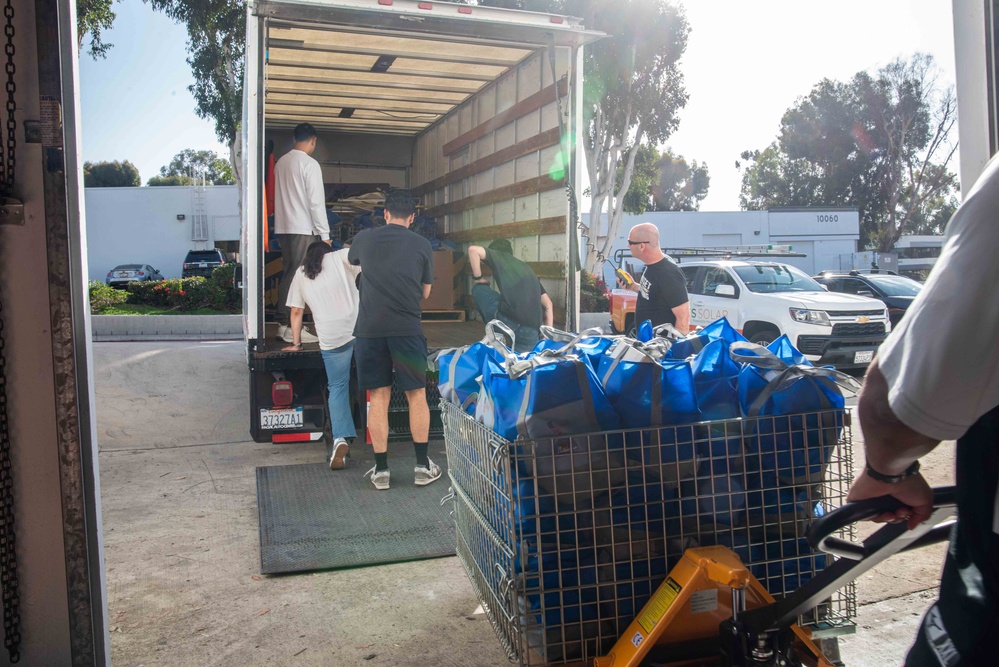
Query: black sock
{"x":421,"y":454}
{"x":381,"y":461}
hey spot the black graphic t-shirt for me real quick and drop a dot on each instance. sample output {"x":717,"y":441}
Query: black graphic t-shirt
{"x":663,"y":288}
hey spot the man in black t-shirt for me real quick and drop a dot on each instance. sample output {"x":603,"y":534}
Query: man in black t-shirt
{"x":662,"y":291}
{"x":521,"y":302}
{"x":397,"y":272}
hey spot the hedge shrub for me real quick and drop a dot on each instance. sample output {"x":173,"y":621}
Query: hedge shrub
{"x":103,"y":297}
{"x":594,"y":297}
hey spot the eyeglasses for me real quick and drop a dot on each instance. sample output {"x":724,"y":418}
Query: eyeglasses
{"x":637,"y":242}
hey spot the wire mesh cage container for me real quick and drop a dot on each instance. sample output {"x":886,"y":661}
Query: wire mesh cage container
{"x":566,"y":538}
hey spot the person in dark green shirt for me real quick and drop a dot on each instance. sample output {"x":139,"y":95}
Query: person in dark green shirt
{"x":520,"y":302}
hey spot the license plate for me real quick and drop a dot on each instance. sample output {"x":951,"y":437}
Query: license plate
{"x":863,"y":357}
{"x":203,"y":265}
{"x":121,"y":274}
{"x":274,"y":420}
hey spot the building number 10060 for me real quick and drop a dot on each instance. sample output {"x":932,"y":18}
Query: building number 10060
{"x":827,"y":218}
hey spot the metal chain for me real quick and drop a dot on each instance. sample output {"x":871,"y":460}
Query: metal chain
{"x":8,"y":543}
{"x":7,"y":168}
{"x":8,"y":552}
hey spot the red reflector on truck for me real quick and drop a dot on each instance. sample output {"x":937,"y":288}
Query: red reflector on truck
{"x":282,"y":394}
{"x":296,"y":437}
{"x":424,"y":5}
{"x":464,"y":10}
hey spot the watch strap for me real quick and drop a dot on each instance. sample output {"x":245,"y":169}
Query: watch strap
{"x":891,"y":479}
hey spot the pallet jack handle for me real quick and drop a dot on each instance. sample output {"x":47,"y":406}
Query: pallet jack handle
{"x":855,"y":558}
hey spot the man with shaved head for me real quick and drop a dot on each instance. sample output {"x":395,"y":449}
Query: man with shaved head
{"x":662,"y":291}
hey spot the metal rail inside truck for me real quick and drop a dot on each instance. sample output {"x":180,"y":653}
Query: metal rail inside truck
{"x":476,"y":110}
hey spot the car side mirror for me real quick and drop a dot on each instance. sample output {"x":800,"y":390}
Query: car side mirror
{"x":865,"y":292}
{"x":825,"y":287}
{"x":725,"y":290}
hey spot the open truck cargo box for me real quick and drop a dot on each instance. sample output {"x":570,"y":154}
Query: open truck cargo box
{"x":476,"y":110}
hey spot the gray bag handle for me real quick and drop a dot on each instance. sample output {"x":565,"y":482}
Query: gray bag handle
{"x":491,"y":334}
{"x":667,"y":331}
{"x":763,"y":358}
{"x":653,"y":351}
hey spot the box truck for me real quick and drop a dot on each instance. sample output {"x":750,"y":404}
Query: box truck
{"x":477,"y":110}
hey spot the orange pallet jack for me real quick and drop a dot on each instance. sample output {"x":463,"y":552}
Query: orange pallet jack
{"x":712,"y":611}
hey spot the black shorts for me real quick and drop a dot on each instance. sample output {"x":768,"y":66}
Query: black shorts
{"x":377,"y":358}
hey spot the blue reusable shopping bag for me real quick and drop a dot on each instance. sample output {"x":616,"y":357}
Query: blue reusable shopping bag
{"x":796,"y":411}
{"x":551,"y":393}
{"x":720,"y":329}
{"x":590,"y":344}
{"x":460,"y":367}
{"x":646,"y":389}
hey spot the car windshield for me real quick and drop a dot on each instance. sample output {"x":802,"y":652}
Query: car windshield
{"x":896,"y":285}
{"x":776,"y":278}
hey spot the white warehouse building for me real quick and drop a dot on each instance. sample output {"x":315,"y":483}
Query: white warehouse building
{"x":158,"y":225}
{"x":826,"y":236}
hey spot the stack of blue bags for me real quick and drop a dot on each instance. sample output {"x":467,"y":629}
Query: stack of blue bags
{"x":639,"y":431}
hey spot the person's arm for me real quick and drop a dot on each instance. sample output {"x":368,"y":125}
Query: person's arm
{"x":682,"y":315}
{"x":890,"y":447}
{"x":547,"y":310}
{"x":477,"y":255}
{"x":428,"y":269}
{"x":316,"y":193}
{"x":426,"y":291}
{"x":296,"y":316}
{"x":354,"y":250}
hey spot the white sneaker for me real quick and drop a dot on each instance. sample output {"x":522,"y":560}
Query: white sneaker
{"x":306,"y":337}
{"x":380,"y":478}
{"x":284,"y":333}
{"x":341,"y":451}
{"x":428,"y":474}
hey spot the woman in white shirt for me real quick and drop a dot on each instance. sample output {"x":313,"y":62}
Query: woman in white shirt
{"x":326,"y":283}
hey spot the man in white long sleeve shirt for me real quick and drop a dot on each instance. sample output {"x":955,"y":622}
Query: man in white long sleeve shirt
{"x":299,"y":216}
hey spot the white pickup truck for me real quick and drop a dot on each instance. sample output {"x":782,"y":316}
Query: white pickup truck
{"x":765,"y":299}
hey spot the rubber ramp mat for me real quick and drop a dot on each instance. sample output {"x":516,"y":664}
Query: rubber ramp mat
{"x":312,"y":518}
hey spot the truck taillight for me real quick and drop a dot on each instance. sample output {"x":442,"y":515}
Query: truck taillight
{"x":282,"y":394}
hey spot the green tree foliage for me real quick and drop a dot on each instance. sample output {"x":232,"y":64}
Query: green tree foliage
{"x":216,"y":31}
{"x":176,"y":179}
{"x":662,"y":181}
{"x":110,"y":174}
{"x":190,"y":162}
{"x":879,"y":142}
{"x":93,"y":17}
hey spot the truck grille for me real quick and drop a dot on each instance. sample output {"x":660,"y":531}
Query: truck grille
{"x":855,"y":313}
{"x":857,"y":329}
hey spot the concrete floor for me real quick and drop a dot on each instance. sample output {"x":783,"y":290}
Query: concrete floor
{"x":180,"y":522}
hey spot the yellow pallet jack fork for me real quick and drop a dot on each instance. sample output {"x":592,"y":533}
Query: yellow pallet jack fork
{"x":706,"y":587}
{"x":710,"y":595}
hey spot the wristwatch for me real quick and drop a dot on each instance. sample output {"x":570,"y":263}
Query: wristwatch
{"x":892,"y":479}
{"x":475,"y":277}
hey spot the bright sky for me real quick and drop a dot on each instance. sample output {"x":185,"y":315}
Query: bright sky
{"x":746,"y":63}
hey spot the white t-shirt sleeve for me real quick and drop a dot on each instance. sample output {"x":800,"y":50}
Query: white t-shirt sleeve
{"x":316,"y":194}
{"x":942,"y":362}
{"x":351,"y":270}
{"x":296,"y":299}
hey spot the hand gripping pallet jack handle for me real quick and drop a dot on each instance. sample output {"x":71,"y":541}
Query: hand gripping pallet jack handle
{"x":752,"y":636}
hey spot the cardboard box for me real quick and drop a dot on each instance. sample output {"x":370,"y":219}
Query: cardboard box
{"x":449,"y":281}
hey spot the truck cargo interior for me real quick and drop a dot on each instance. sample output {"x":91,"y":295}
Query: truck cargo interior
{"x":476,"y":110}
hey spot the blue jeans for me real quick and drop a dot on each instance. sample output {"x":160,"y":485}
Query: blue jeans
{"x":338,"y":380}
{"x":487,"y":302}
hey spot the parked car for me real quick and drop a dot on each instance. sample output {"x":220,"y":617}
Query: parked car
{"x":123,"y":274}
{"x":765,"y":299}
{"x":202,"y":262}
{"x":896,"y":292}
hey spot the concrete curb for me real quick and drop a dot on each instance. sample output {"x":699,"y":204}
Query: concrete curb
{"x":166,"y":327}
